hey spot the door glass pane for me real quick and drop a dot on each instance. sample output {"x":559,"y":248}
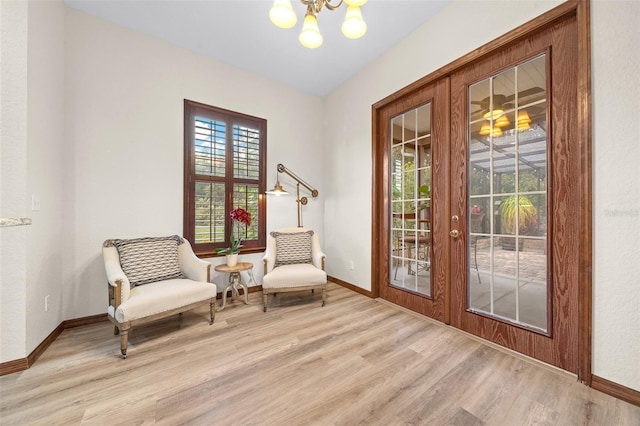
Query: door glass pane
{"x":507,"y":223}
{"x":410,"y":238}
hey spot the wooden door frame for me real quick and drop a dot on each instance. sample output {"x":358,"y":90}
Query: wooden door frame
{"x":581,"y":10}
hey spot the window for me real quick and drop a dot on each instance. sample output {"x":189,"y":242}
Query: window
{"x":224,"y":168}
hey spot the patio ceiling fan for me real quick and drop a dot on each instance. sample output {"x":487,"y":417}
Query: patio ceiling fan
{"x":503,"y":102}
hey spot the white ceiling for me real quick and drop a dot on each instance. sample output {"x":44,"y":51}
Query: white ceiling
{"x":239,"y":32}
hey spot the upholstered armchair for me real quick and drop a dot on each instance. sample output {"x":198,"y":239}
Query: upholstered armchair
{"x":153,"y":278}
{"x":293,"y":261}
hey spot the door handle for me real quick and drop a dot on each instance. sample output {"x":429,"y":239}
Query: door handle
{"x":454,"y":233}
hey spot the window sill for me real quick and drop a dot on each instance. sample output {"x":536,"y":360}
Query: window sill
{"x":213,"y":254}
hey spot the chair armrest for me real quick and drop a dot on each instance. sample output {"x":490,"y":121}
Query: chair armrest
{"x":115,"y":274}
{"x":317,"y":256}
{"x":193,"y":268}
{"x":319,"y":259}
{"x":269,"y":259}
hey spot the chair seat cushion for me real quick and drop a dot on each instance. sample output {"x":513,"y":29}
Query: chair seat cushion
{"x":298,"y":275}
{"x":161,"y":296}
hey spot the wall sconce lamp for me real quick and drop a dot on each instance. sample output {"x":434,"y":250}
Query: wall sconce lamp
{"x":300,"y":201}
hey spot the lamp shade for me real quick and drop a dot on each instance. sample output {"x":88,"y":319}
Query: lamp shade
{"x":523,"y":117}
{"x":494,"y":113}
{"x":354,"y":26}
{"x":310,"y":36}
{"x":523,"y":126}
{"x":282,"y":14}
{"x":277,"y":189}
{"x":502,"y":121}
{"x":487,"y":129}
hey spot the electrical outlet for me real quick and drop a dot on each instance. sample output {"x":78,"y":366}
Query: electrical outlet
{"x":351,"y":265}
{"x":35,"y":203}
{"x":46,"y":302}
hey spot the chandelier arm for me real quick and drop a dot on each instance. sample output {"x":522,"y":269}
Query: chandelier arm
{"x":332,"y":7}
{"x":315,"y":6}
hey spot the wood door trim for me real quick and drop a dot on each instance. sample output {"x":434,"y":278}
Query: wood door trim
{"x":585,"y":250}
{"x":581,"y":9}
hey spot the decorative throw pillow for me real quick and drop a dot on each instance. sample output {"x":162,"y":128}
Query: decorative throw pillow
{"x":292,"y":247}
{"x":147,"y":260}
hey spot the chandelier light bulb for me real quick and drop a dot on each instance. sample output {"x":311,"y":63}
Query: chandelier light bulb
{"x":310,"y":36}
{"x":357,"y":3}
{"x":282,"y":14}
{"x":354,"y":26}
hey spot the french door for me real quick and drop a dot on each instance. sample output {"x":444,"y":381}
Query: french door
{"x":514,"y":197}
{"x":480,"y":219}
{"x":415,"y":169}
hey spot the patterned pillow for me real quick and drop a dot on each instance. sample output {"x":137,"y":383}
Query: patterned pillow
{"x":292,"y":247}
{"x":147,"y":260}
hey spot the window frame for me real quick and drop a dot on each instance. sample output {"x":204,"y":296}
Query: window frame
{"x":231,"y":118}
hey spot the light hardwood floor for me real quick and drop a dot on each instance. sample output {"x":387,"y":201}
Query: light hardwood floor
{"x":355,"y":361}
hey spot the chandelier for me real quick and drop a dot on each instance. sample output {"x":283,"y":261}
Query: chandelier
{"x":283,"y":16}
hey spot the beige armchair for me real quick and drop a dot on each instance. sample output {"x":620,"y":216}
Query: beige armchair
{"x":293,"y":261}
{"x":152,"y":278}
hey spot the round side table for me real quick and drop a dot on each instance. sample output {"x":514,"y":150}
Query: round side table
{"x":235,"y":281}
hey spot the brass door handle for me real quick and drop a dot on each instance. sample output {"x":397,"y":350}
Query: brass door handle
{"x":454,"y":233}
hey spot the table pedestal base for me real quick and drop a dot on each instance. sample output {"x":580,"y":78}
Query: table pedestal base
{"x":235,"y":284}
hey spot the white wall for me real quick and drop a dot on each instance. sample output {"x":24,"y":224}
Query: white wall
{"x":46,"y":155}
{"x":616,"y":146}
{"x":33,"y":154}
{"x":13,"y":177}
{"x":457,"y":30}
{"x":124,"y":106}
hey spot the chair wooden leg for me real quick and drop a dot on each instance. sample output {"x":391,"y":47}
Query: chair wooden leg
{"x":264,"y":301}
{"x":212,"y":311}
{"x":124,"y":342}
{"x":324,"y":295}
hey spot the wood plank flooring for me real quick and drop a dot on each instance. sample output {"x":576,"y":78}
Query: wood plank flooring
{"x":355,"y":361}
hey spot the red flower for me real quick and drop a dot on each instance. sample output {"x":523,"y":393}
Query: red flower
{"x":241,"y":215}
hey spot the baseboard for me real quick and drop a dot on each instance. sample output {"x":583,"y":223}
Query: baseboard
{"x":22,"y":364}
{"x":14,"y":366}
{"x":79,"y":322}
{"x":350,"y":286}
{"x":39,"y":350}
{"x":617,"y":390}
